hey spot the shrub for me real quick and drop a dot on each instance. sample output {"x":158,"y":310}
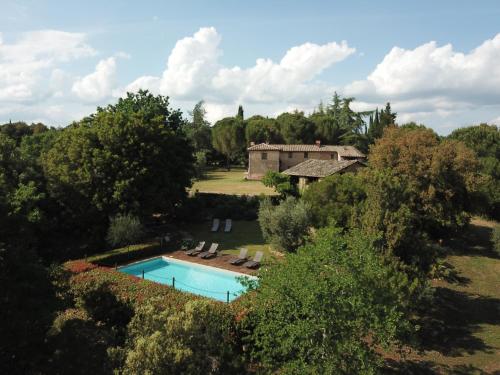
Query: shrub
{"x":286,"y":225}
{"x":197,"y":338}
{"x":280,"y":182}
{"x":124,"y":230}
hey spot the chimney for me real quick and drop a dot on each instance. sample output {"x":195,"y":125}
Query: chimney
{"x":318,"y":143}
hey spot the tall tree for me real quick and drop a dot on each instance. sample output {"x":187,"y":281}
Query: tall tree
{"x":296,"y":128}
{"x":239,"y":115}
{"x":260,"y":129}
{"x":228,"y":137}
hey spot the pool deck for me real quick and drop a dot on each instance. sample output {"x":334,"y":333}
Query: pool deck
{"x":221,"y":261}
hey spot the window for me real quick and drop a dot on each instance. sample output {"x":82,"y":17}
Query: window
{"x":263,"y":156}
{"x":290,"y":155}
{"x":306,"y":155}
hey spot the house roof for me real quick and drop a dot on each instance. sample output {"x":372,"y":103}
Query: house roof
{"x":319,"y":168}
{"x":344,"y":151}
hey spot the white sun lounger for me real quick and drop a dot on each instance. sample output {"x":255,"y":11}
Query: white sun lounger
{"x":211,"y":252}
{"x":228,"y":226}
{"x":215,"y":225}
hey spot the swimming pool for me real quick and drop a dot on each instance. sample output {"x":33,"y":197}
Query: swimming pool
{"x":190,"y":277}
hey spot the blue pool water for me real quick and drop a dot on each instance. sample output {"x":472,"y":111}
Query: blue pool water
{"x":189,"y":277}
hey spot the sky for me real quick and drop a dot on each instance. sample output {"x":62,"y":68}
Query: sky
{"x":437,"y":62}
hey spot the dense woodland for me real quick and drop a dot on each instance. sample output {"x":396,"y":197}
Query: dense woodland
{"x":103,"y":181}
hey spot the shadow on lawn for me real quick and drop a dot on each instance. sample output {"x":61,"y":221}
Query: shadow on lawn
{"x":475,"y":241}
{"x":448,"y":326}
{"x":410,"y":367}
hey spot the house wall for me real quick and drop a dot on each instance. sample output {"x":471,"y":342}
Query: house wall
{"x":257,"y":167}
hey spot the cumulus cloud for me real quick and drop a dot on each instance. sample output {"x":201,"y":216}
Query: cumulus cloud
{"x":23,"y":62}
{"x":434,"y":80}
{"x":194,"y":72}
{"x":99,"y":85}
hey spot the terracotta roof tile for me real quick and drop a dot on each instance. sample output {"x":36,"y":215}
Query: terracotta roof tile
{"x":319,"y":168}
{"x":344,"y":151}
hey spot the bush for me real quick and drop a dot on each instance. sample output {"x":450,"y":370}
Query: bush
{"x":125,"y":255}
{"x":495,"y":239}
{"x":198,"y":338}
{"x":286,"y":225}
{"x":124,"y":230}
{"x":280,"y":182}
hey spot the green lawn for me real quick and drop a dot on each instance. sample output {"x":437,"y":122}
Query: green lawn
{"x":464,"y":333}
{"x":243,"y":234}
{"x":221,"y":181}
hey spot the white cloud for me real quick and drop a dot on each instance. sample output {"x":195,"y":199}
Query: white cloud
{"x":99,"y":85}
{"x":23,"y":63}
{"x":194,"y":72}
{"x":434,"y":81}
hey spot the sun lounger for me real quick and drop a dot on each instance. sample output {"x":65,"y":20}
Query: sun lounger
{"x":215,"y":225}
{"x":256,"y":260}
{"x":211,"y":252}
{"x":198,"y":249}
{"x":242,"y":257}
{"x":228,"y":226}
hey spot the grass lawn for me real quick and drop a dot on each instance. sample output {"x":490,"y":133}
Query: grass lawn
{"x":243,"y":234}
{"x":464,"y":330}
{"x":221,"y":181}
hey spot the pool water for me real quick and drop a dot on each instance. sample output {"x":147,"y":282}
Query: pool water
{"x":190,"y":277}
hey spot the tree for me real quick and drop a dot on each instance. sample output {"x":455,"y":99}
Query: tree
{"x":239,"y":115}
{"x":198,"y":129}
{"x":280,"y":182}
{"x":194,"y":339}
{"x":28,"y":303}
{"x":296,"y":128}
{"x":335,"y":199}
{"x":441,"y":175}
{"x":124,"y":230}
{"x":260,"y":129}
{"x":326,"y":308}
{"x":129,"y":157}
{"x":386,"y":213}
{"x":228,"y":137}
{"x":286,"y":225}
{"x":387,"y":118}
{"x":484,"y":139}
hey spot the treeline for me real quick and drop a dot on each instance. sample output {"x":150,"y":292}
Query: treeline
{"x":334,"y":123}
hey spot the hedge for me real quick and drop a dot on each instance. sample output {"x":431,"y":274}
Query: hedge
{"x":127,"y":254}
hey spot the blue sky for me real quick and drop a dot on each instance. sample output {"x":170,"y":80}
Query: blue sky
{"x":59,"y":60}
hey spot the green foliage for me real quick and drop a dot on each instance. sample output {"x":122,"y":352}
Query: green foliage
{"x":28,"y":302}
{"x":485,"y":141}
{"x":495,"y":239}
{"x":124,"y":230}
{"x":335,"y":199}
{"x":296,"y":128}
{"x":386,"y":213}
{"x":325,"y":309}
{"x":198,"y":129}
{"x":440,"y":175}
{"x":260,"y":129}
{"x":286,"y":225}
{"x":228,"y":137}
{"x":280,"y":182}
{"x":122,"y":159}
{"x":198,"y":338}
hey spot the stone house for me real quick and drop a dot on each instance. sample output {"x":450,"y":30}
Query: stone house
{"x":264,"y":157}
